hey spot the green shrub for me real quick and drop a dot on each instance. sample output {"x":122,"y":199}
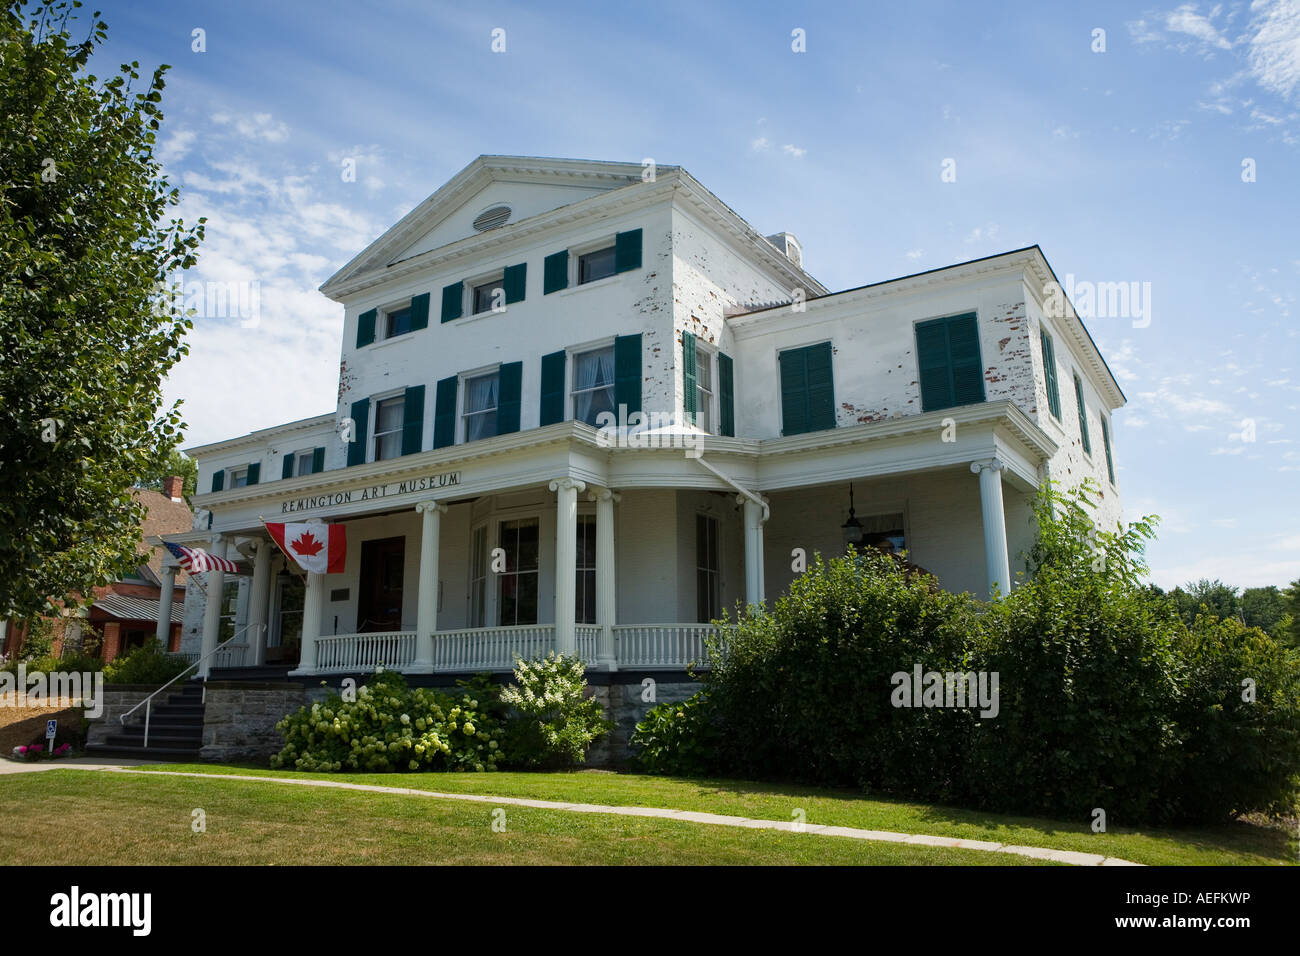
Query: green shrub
{"x":553,"y":721}
{"x":679,"y":738}
{"x":1106,"y":699}
{"x":391,"y":727}
{"x":804,"y":692}
{"x":1237,"y":754}
{"x":148,"y":664}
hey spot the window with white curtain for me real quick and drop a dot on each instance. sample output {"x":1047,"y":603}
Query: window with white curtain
{"x":388,"y":427}
{"x":704,"y":389}
{"x":481,"y":406}
{"x":593,"y":384}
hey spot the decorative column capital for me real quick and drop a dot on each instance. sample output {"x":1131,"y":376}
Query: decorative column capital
{"x":604,"y":494}
{"x":758,"y":501}
{"x":568,"y":484}
{"x":990,"y":464}
{"x":436,"y":506}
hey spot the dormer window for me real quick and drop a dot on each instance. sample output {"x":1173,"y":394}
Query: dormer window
{"x":596,"y":265}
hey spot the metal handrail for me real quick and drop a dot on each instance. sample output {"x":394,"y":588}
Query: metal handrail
{"x":147,"y":703}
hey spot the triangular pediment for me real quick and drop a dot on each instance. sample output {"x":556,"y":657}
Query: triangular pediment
{"x":526,"y":186}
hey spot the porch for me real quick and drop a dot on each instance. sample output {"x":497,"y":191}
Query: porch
{"x":634,"y":647}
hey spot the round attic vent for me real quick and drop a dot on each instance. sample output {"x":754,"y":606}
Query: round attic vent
{"x":491,"y":218}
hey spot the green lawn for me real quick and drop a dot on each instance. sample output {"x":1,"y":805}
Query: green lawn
{"x":90,"y":817}
{"x":1236,"y":843}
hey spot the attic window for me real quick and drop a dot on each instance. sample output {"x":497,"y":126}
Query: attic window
{"x":491,"y":218}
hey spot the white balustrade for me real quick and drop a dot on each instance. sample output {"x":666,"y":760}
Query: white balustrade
{"x":662,"y":645}
{"x":362,"y":653}
{"x":491,"y":648}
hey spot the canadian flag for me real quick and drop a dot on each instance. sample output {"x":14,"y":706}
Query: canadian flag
{"x":318,"y":548}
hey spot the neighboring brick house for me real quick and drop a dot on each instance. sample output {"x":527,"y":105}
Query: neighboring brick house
{"x":126,"y":612}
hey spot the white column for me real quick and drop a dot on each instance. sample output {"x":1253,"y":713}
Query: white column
{"x":212,"y":609}
{"x":996,"y":562}
{"x":606,"y":580}
{"x":426,"y":613}
{"x":313,"y":603}
{"x":164,"y":632}
{"x":566,"y":561}
{"x":755,"y":515}
{"x":259,"y":601}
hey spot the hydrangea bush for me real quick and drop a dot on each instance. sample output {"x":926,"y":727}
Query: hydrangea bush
{"x":554,"y":722}
{"x":389,"y":727}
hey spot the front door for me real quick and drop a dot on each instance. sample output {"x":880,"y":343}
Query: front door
{"x":379,"y":597}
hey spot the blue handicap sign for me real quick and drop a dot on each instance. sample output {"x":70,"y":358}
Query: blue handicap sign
{"x":51,"y":727}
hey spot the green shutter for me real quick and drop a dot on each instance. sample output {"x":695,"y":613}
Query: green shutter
{"x":1105,"y":439}
{"x":964,"y":354}
{"x":514,"y":281}
{"x":1049,"y":374}
{"x":552,"y":388}
{"x":555,"y":272}
{"x":807,"y":390}
{"x":688,"y":378}
{"x":726,"y":396}
{"x":360,"y":432}
{"x":948,"y":359}
{"x":453,"y":297}
{"x":794,"y":392}
{"x":509,"y":393}
{"x":254,"y":472}
{"x":413,"y":420}
{"x":366,"y":327}
{"x":420,"y":311}
{"x":932,"y":362}
{"x":1083,"y":415}
{"x":821,"y":387}
{"x":627,"y":372}
{"x":444,"y":412}
{"x":317,"y":460}
{"x":286,"y":470}
{"x":627,"y":251}
{"x":219,"y":479}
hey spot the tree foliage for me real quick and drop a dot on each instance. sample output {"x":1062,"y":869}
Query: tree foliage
{"x":86,"y":329}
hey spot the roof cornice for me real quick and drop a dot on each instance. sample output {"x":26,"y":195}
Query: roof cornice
{"x":448,"y":197}
{"x":260,"y":436}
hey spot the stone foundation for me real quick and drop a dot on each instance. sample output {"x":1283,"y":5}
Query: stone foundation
{"x":239,"y":718}
{"x":117,"y":699}
{"x":627,"y":697}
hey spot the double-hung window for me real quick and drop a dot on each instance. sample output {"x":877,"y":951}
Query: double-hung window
{"x":397,"y":322}
{"x":708,"y":602}
{"x":302,"y":464}
{"x":597,"y":264}
{"x":488,"y":296}
{"x":1083,"y":416}
{"x":388,"y":427}
{"x":593,"y":384}
{"x":704,"y":389}
{"x":585,"y":603}
{"x":517,"y":584}
{"x":239,"y":478}
{"x":481,"y":395}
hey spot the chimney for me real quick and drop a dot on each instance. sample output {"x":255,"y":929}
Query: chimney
{"x":173,"y":485}
{"x":789,"y":245}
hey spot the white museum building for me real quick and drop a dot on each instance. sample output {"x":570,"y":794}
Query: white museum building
{"x":585,"y":406}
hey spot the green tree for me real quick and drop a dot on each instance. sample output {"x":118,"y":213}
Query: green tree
{"x":178,"y":463}
{"x":1262,"y":607}
{"x":1217,"y":598}
{"x":86,"y":329}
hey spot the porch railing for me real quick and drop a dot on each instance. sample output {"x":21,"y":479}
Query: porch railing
{"x":355,"y":653}
{"x":648,"y":646}
{"x":491,"y":648}
{"x":661,"y":645}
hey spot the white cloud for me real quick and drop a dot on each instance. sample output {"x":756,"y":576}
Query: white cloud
{"x":257,"y":126}
{"x":1185,"y":20}
{"x":792,"y":150}
{"x":760,"y":145}
{"x":176,"y":147}
{"x":1274,"y":47}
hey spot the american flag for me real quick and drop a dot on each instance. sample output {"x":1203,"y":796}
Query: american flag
{"x":196,"y":560}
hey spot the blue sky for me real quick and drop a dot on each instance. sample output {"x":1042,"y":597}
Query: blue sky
{"x":1124,"y":165}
